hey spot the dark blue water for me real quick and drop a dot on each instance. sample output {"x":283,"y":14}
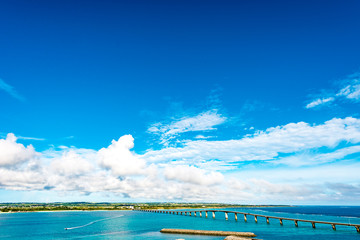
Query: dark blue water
{"x":142,"y":225}
{"x":341,"y":211}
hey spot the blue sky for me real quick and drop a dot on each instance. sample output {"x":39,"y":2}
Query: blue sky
{"x":180,"y":101}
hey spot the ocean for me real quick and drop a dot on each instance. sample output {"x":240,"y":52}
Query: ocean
{"x":145,"y":225}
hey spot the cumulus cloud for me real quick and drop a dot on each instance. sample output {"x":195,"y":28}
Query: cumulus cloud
{"x":71,"y":164}
{"x":191,"y":174}
{"x":12,"y":153}
{"x":14,"y":179}
{"x":205,"y":121}
{"x":119,"y":159}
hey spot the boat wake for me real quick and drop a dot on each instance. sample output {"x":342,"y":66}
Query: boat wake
{"x":90,"y":223}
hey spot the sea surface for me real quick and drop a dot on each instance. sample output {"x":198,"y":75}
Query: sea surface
{"x":145,"y":225}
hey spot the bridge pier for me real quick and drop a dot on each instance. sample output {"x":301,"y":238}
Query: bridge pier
{"x":200,"y":213}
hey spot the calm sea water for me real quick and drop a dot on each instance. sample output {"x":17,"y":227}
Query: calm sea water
{"x":142,"y":225}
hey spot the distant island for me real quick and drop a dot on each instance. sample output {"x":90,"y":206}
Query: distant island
{"x":88,"y":206}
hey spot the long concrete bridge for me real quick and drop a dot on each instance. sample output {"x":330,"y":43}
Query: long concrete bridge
{"x":281,"y":219}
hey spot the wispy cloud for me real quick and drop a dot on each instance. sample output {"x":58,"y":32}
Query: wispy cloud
{"x":352,"y":89}
{"x":31,"y":138}
{"x":315,"y":158}
{"x":349,"y":90}
{"x":266,"y":145}
{"x":319,"y":101}
{"x":10,"y":90}
{"x":2,"y":134}
{"x":205,"y":121}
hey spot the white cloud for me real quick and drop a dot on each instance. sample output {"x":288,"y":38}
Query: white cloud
{"x":202,"y":137}
{"x":295,"y":185}
{"x":21,"y":180}
{"x":205,"y":121}
{"x":10,"y":90}
{"x":265,"y":145}
{"x":12,"y":153}
{"x":305,"y":159}
{"x":119,"y":159}
{"x":350,"y":90}
{"x":319,"y":101}
{"x":71,"y":164}
{"x":205,"y":170}
{"x":191,"y":174}
{"x":31,"y":138}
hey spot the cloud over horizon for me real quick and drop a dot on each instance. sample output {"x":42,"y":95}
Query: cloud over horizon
{"x":202,"y":170}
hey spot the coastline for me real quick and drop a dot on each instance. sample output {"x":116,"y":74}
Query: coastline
{"x":182,"y":207}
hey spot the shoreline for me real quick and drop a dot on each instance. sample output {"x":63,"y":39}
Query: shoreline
{"x":147,"y":208}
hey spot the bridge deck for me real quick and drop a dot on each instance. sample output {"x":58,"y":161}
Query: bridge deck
{"x":313,"y":222}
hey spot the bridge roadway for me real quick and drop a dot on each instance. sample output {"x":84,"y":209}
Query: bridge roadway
{"x":313,"y":222}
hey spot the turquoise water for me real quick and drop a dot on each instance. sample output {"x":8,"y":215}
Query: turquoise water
{"x":143,"y":225}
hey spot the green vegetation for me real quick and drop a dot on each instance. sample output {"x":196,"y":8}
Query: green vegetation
{"x":87,"y":206}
